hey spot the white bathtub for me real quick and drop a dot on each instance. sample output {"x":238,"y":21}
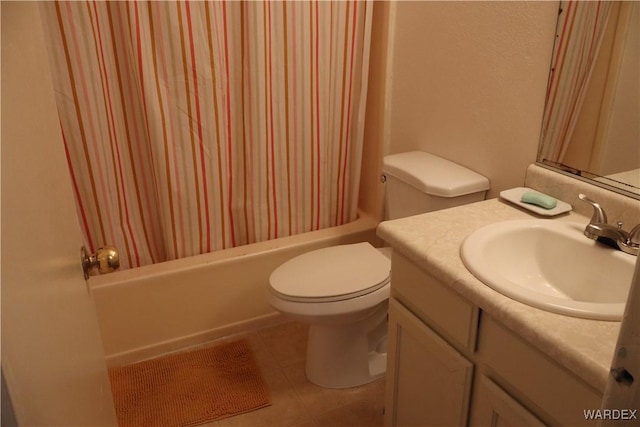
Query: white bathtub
{"x":150,"y":310}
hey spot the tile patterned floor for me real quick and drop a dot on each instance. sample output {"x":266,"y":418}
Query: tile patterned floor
{"x":280,"y":351}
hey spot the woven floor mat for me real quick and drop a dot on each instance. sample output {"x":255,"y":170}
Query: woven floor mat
{"x":188,"y":389}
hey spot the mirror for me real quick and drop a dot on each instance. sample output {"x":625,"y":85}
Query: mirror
{"x":591,"y":123}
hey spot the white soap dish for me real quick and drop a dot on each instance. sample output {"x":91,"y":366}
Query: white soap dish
{"x":513,"y":195}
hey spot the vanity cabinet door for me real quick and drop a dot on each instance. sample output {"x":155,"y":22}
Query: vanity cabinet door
{"x":493,"y":407}
{"x":428,"y":381}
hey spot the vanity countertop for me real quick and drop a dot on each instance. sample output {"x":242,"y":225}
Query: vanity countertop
{"x":432,"y":241}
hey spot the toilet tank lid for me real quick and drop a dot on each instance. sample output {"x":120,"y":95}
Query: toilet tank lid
{"x":434,"y":175}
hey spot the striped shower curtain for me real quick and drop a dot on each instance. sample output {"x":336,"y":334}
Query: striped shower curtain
{"x":579,"y":34}
{"x":191,"y":127}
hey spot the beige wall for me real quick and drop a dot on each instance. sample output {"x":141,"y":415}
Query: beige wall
{"x":467,"y":82}
{"x":371,"y":189}
{"x":606,"y":134}
{"x":582,"y":149}
{"x":621,"y":147}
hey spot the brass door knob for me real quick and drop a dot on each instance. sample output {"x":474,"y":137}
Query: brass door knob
{"x":106,"y":260}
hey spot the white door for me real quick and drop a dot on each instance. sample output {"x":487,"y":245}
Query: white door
{"x":52,"y":356}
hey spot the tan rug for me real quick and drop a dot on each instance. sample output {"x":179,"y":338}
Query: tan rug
{"x":189,"y":389}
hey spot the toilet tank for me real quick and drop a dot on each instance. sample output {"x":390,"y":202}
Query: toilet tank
{"x":419,"y":182}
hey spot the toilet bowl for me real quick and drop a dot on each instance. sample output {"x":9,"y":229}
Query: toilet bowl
{"x":342,"y":292}
{"x":343,"y":297}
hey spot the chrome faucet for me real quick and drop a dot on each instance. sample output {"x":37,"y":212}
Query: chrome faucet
{"x":612,"y":235}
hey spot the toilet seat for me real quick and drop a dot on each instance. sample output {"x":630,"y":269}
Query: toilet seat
{"x":331,"y":274}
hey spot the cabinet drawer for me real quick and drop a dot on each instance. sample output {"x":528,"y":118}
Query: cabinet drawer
{"x":556,"y":395}
{"x":434,"y":303}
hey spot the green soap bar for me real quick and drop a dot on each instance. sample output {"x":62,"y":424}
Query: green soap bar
{"x":539,"y":199}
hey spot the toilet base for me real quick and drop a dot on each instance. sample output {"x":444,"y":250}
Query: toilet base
{"x":344,"y":356}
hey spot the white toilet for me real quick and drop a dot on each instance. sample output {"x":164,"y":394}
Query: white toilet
{"x":342,"y":291}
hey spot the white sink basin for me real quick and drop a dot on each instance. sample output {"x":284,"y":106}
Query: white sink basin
{"x":551,"y":265}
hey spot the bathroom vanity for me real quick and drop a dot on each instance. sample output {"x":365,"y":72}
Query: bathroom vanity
{"x":461,"y":353}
